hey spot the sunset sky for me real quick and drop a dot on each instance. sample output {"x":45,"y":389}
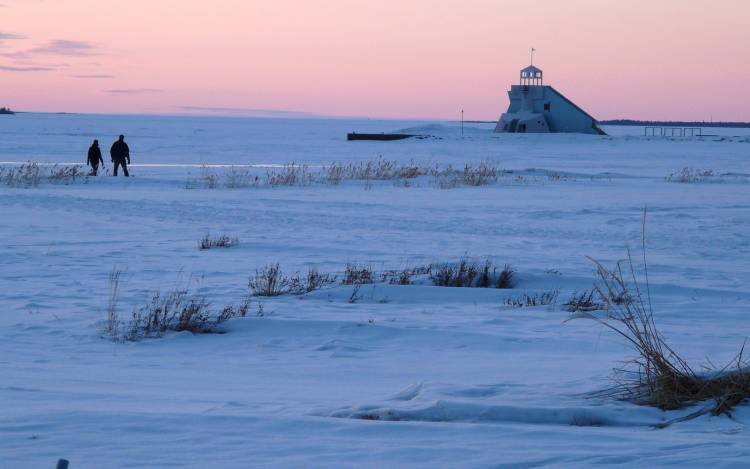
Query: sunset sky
{"x":644,"y":59}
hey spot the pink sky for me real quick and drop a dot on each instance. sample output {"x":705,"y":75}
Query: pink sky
{"x":645,"y":59}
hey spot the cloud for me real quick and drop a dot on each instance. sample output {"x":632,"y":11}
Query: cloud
{"x":34,"y":68}
{"x":93,"y":76}
{"x":248,"y":112}
{"x":35,"y":63}
{"x":64,"y":47}
{"x":133,"y":91}
{"x":58,"y":47}
{"x":10,"y":36}
{"x":18,"y":55}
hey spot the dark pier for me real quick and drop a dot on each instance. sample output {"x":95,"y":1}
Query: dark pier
{"x":379,"y":137}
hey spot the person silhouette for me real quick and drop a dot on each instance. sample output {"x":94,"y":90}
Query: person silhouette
{"x":95,"y":157}
{"x":120,"y":154}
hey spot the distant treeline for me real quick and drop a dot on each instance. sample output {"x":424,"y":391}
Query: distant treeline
{"x":6,"y":110}
{"x":674,"y":123}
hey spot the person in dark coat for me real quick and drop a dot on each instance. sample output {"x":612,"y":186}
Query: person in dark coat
{"x":95,"y":157}
{"x":120,"y":154}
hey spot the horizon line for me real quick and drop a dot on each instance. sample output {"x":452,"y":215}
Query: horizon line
{"x":248,"y":113}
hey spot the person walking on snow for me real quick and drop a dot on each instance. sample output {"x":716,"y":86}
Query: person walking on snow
{"x":95,"y":157}
{"x":120,"y":154}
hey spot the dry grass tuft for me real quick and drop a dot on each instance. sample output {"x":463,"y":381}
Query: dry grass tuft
{"x":289,"y":175}
{"x":507,"y":277}
{"x":659,"y":376}
{"x":482,"y":174}
{"x":313,"y":280}
{"x":65,"y":174}
{"x":402,"y":175}
{"x":26,"y":175}
{"x":472,"y":274}
{"x":691,"y":175}
{"x":584,"y":302}
{"x":405,"y":276}
{"x":375,"y":170}
{"x":223,"y":241}
{"x":111,"y":327}
{"x":177,"y":311}
{"x":269,"y":281}
{"x":528,"y":301}
{"x":462,"y":274}
{"x":239,"y":178}
{"x":358,"y":274}
{"x":33,"y":174}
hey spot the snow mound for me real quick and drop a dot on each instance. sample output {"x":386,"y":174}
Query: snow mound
{"x":441,"y":131}
{"x":408,"y":394}
{"x":423,"y":129}
{"x":463,"y":412}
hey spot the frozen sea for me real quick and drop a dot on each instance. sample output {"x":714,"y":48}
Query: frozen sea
{"x":457,"y":377}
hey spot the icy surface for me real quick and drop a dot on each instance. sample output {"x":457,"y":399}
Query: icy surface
{"x":407,"y":375}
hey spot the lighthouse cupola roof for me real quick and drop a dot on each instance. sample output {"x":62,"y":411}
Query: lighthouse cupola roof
{"x":531,"y":76}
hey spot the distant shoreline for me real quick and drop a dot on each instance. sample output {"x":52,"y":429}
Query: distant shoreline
{"x":638,"y":123}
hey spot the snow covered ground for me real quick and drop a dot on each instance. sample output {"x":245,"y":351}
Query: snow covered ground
{"x":456,"y":377}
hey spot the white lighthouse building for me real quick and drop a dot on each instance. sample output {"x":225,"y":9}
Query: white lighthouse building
{"x":536,"y":107}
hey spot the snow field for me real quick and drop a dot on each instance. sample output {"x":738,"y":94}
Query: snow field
{"x":415,"y":375}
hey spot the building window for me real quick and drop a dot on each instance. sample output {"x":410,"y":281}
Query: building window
{"x":547,"y":106}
